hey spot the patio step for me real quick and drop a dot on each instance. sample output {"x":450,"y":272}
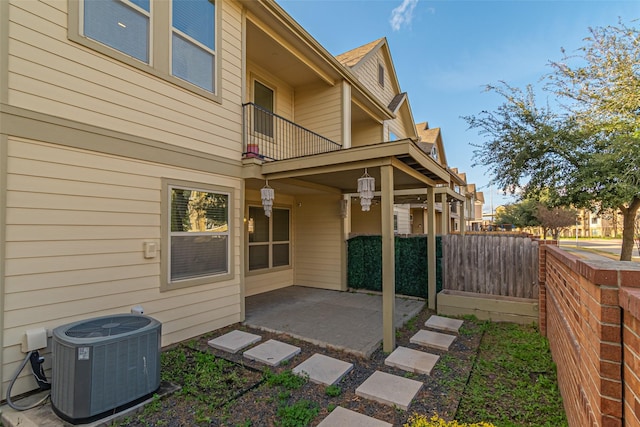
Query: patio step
{"x":341,"y":417}
{"x":272,"y":352}
{"x":444,"y":323}
{"x":323,"y":369}
{"x":234,"y":341}
{"x":412,"y":360}
{"x":389,"y":389}
{"x":433,"y":339}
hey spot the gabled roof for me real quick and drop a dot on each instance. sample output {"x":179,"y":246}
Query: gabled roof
{"x":396,"y":101}
{"x":352,"y":57}
{"x":429,"y":138}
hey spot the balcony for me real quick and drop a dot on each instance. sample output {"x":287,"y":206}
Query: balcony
{"x":269,"y":137}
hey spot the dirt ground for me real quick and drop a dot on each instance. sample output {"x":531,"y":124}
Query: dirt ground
{"x":258,"y":403}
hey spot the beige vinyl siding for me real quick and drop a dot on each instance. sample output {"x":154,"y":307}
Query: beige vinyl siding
{"x":366,"y":133}
{"x":319,"y":109}
{"x":397,"y":127}
{"x":76,"y":224}
{"x":50,"y":74}
{"x":404,"y":219}
{"x":369,"y":222}
{"x":283,"y":93}
{"x":367,"y":74}
{"x":318,"y":242}
{"x":257,"y":282}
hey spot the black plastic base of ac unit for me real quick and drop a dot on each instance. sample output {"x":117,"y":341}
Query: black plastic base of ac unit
{"x":104,"y":414}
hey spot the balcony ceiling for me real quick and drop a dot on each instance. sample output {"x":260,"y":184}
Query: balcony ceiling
{"x":340,"y":170}
{"x":272,"y":56}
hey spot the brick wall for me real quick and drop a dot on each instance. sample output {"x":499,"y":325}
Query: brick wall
{"x":581,"y":312}
{"x":630,"y":303}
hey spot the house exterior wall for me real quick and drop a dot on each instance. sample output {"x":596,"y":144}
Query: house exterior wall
{"x":366,"y":133}
{"x":319,"y":109}
{"x":367,"y":74}
{"x":319,"y":241}
{"x":53,"y":75}
{"x":284,"y":98}
{"x":87,"y":143}
{"x":403,"y":217}
{"x":76,"y":224}
{"x":365,"y":222}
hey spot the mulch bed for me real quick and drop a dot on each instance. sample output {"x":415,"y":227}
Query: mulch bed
{"x":258,"y":405}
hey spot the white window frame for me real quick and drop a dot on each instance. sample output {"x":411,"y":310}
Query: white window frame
{"x":166,"y":282}
{"x":160,"y":55}
{"x":270,"y":243}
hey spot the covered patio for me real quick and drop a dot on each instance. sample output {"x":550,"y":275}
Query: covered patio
{"x":398,"y":167}
{"x":348,"y":321}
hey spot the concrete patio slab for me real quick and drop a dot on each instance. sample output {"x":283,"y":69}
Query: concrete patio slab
{"x":349,"y":321}
{"x":433,"y":339}
{"x":341,"y":417}
{"x":389,"y":389}
{"x":272,"y":352}
{"x":412,"y":360}
{"x":323,"y":369}
{"x":444,"y":323}
{"x":234,"y":341}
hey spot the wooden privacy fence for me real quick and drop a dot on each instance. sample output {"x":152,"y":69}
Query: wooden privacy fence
{"x":492,"y":263}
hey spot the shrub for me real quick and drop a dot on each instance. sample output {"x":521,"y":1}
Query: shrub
{"x":417,"y":420}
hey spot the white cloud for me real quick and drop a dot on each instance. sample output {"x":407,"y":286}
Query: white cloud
{"x":403,"y":14}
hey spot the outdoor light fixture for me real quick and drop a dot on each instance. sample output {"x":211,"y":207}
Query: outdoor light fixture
{"x":268,"y":195}
{"x":366,"y":187}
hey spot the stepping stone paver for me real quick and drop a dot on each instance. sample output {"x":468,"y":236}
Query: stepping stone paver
{"x":323,"y":369}
{"x":389,"y":389}
{"x":444,"y":323}
{"x":341,"y":417}
{"x":271,"y":352}
{"x":234,"y":341}
{"x":412,"y":360}
{"x":433,"y":339}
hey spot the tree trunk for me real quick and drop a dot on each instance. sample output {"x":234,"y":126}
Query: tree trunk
{"x":628,"y":228}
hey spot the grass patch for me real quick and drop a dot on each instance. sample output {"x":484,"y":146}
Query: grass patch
{"x":299,"y":414}
{"x":513,"y":382}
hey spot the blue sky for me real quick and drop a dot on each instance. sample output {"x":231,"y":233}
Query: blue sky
{"x":446,"y":52}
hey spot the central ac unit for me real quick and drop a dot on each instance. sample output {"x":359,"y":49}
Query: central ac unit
{"x":103,"y":364}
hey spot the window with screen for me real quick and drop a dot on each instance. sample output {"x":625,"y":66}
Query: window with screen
{"x":198,"y":233}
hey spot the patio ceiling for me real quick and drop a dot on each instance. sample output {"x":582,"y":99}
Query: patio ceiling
{"x":412,"y":168}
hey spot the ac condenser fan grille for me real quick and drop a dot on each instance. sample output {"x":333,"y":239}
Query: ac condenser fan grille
{"x":107,"y":327}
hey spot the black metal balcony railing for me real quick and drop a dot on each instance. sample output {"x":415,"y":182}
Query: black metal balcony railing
{"x":267,"y":136}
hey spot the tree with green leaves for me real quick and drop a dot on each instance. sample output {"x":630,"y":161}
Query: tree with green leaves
{"x":520,"y":215}
{"x":555,"y":219}
{"x":585,"y":152}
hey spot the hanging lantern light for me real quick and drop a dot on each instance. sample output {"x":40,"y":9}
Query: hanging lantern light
{"x":366,"y":187}
{"x":267,"y":195}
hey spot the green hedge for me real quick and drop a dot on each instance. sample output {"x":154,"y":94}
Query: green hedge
{"x":365,"y":264}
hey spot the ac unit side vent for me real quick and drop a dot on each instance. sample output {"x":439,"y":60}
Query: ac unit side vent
{"x":104,"y":363}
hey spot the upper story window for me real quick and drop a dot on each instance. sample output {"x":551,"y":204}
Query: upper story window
{"x":434,"y":153}
{"x":381,"y":75}
{"x":123,"y":25}
{"x":193,"y":42}
{"x":172,"y":39}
